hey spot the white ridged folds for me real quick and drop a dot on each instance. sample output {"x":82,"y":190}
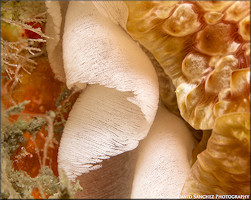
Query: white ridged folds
{"x":119,"y":105}
{"x":163,"y":159}
{"x":117,"y":108}
{"x":54,"y":27}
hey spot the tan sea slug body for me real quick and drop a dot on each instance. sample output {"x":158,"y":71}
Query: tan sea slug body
{"x":204,"y":47}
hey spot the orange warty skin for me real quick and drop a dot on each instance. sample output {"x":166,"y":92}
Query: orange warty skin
{"x":204,"y":47}
{"x":199,"y":45}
